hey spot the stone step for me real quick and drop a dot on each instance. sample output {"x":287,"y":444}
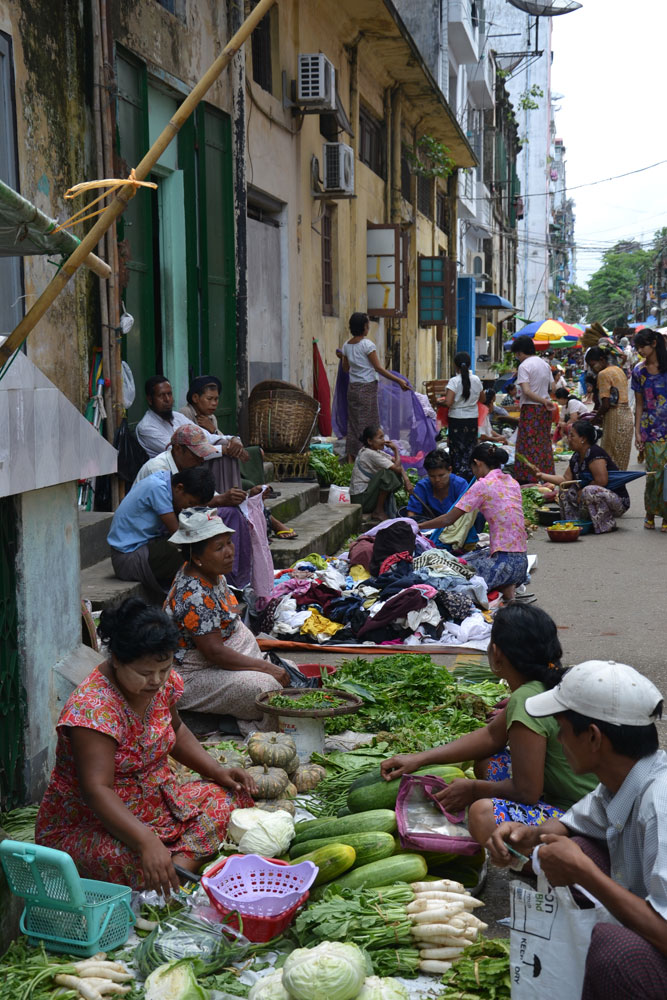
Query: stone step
{"x":322,"y":529}
{"x":103,"y":589}
{"x":93,"y":530}
{"x":294,"y":499}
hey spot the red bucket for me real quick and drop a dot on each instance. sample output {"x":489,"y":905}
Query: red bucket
{"x":314,"y":670}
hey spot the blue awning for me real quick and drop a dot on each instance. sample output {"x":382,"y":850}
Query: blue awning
{"x":487,"y":300}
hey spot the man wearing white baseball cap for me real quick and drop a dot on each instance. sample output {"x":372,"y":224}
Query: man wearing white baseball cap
{"x":614,"y":841}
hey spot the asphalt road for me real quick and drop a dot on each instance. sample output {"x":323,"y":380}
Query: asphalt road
{"x":608,"y":593}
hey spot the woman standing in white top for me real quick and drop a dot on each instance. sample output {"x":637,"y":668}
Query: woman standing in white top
{"x":360,"y":359}
{"x":464,"y":391}
{"x":533,"y":440}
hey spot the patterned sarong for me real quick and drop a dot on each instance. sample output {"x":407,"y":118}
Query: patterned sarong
{"x":533,"y":442}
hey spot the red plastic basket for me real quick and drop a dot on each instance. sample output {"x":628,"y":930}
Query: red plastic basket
{"x":255,"y":928}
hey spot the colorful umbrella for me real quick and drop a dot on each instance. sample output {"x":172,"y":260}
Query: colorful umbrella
{"x":549,"y":329}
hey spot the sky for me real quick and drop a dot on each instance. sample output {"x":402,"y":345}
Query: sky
{"x":609,"y":66}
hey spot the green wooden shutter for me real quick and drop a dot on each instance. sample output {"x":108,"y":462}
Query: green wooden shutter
{"x":216,"y":248}
{"x":135,"y":227}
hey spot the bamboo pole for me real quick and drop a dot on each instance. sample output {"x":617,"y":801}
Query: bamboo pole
{"x":127,"y":192}
{"x":61,"y":242}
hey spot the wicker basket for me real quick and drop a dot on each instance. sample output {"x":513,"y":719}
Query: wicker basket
{"x":287,"y":465}
{"x":282,"y":417}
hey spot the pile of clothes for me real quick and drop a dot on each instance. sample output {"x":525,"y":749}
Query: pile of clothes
{"x":392,"y":587}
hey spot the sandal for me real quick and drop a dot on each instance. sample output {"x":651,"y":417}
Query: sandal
{"x":286,"y":533}
{"x":649,"y":524}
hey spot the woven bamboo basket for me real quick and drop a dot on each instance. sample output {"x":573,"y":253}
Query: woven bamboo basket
{"x":288,"y":465}
{"x":282,"y":418}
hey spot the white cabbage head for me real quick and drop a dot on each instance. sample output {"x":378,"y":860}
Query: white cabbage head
{"x":331,"y":971}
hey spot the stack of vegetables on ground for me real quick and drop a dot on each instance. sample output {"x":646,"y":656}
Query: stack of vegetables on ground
{"x":406,"y":929}
{"x":32,"y":974}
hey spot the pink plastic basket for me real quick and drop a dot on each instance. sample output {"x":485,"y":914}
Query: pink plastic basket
{"x":265,"y":892}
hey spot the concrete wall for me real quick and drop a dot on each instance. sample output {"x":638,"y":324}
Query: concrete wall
{"x":54,"y":152}
{"x":49,"y":609}
{"x":279,"y":153}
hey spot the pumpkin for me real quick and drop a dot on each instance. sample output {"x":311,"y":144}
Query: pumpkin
{"x":271,"y":781}
{"x":274,"y":749}
{"x":273,"y":805}
{"x":308,"y":776}
{"x":291,"y":791}
{"x":230,"y":758}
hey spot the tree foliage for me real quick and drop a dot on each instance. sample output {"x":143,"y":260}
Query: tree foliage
{"x":576,"y":304}
{"x":612,"y":287}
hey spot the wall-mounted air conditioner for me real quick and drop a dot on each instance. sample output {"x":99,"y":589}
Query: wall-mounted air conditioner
{"x":316,"y":84}
{"x":338,"y":161}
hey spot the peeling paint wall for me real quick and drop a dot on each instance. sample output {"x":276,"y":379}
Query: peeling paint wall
{"x":54,"y":152}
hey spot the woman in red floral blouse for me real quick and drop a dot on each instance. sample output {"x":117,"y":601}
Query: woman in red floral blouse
{"x":112,"y":802}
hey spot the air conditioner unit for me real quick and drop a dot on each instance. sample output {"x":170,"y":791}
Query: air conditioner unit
{"x":316,"y":85}
{"x":338,"y":167}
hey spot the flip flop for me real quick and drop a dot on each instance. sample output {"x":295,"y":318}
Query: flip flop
{"x":526,"y":598}
{"x":649,"y":524}
{"x":286,"y":533}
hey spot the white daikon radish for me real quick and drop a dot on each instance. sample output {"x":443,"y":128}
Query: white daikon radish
{"x":438,"y":968}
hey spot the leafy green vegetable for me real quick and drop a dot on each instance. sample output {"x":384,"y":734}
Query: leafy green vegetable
{"x":372,"y":919}
{"x":174,"y":981}
{"x":330,"y":971}
{"x":396,"y":962}
{"x":342,"y":769}
{"x":329,"y":469}
{"x":482,"y":972}
{"x":412,"y":703}
{"x":19,"y":824}
{"x":302,"y":702}
{"x":531,"y":499}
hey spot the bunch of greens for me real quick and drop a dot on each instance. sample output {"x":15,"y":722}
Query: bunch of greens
{"x":329,"y":469}
{"x":482,"y":972}
{"x":402,"y":496}
{"x":342,"y":769}
{"x":19,"y":824}
{"x":374,"y":919}
{"x":310,"y":700}
{"x":409,"y":698}
{"x":226,"y":981}
{"x":531,"y":499}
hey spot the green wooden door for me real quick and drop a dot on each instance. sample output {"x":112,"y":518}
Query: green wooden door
{"x":12,"y":696}
{"x":216,"y":243}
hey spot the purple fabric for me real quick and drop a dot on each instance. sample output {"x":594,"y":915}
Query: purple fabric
{"x":421,"y":542}
{"x":339,"y":405}
{"x":292,"y":587}
{"x":240,"y":575}
{"x":401,"y":416}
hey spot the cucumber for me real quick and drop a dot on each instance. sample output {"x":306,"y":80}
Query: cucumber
{"x":382,"y":794}
{"x":332,"y":860}
{"x":373,"y":821}
{"x":400,"y":868}
{"x":369,"y":846}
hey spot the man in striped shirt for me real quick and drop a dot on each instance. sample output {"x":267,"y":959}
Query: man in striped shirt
{"x":613,"y":843}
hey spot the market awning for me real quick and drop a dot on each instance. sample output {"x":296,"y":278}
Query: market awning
{"x":25,"y":231}
{"x":487,"y":300}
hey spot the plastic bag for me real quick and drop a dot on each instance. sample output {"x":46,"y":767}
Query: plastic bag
{"x":131,"y":456}
{"x":424,"y":824}
{"x":186,"y":934}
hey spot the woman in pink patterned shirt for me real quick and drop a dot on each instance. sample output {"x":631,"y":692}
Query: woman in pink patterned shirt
{"x":497,"y":496}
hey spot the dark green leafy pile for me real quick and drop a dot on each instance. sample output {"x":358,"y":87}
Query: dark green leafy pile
{"x":412,"y":703}
{"x":329,"y":469}
{"x":375,"y":919}
{"x":19,"y":824}
{"x":482,"y":972}
{"x":531,"y":499}
{"x":342,"y":769}
{"x":401,"y":496}
{"x":302,"y":702}
{"x":226,"y":981}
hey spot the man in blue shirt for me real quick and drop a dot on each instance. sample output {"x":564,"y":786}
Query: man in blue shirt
{"x":145,"y":519}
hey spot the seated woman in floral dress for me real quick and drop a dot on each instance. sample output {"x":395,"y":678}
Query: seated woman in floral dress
{"x":221,"y":664}
{"x":113,"y":802}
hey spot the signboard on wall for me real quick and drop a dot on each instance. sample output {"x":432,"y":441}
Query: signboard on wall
{"x":386,"y":270}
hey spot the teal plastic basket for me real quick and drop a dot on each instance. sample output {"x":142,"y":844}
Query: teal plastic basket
{"x":67,"y":913}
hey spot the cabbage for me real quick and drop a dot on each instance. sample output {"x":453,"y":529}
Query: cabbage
{"x":270,"y":836}
{"x":243,"y":820}
{"x":269,"y":988}
{"x":377,"y":988}
{"x":174,"y":981}
{"x":331,"y":971}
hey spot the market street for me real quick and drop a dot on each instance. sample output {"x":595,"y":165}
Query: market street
{"x":606,"y":593}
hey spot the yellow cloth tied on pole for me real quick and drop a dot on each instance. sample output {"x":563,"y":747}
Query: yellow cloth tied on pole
{"x":113,"y":183}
